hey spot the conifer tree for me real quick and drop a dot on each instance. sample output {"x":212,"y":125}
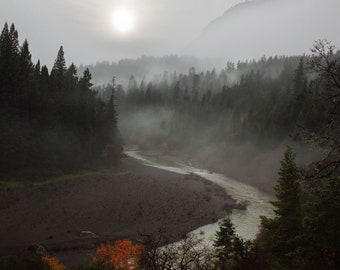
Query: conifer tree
{"x":14,"y":38}
{"x":26,"y":57}
{"x":85,"y":81}
{"x":299,"y":77}
{"x":9,"y":67}
{"x":284,"y":230}
{"x":224,"y":239}
{"x":59,"y":69}
{"x":27,"y":92}
{"x":112,"y":114}
{"x":60,"y":63}
{"x":321,"y":226}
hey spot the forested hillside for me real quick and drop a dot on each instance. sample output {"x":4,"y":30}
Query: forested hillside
{"x":255,"y":101}
{"x":237,"y":120}
{"x":50,"y":119}
{"x":233,"y":121}
{"x":245,"y":110}
{"x":146,"y":67}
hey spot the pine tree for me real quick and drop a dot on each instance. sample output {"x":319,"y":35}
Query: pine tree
{"x":299,"y":77}
{"x":27,"y":92}
{"x":132,"y":84}
{"x":26,"y":57}
{"x":59,"y":69}
{"x":9,"y":68}
{"x":112,"y":114}
{"x":176,"y":95}
{"x":60,"y":63}
{"x":224,"y":239}
{"x":321,"y":226}
{"x":14,"y":37}
{"x":113,"y":149}
{"x":85,"y":81}
{"x":284,"y":230}
{"x":71,"y":73}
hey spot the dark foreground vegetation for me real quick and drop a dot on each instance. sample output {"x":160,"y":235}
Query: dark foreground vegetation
{"x":42,"y":112}
{"x":50,"y":121}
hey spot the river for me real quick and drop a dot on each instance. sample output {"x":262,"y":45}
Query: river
{"x":246,"y":222}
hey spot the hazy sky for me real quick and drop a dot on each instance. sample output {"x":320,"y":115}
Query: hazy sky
{"x":85,"y":30}
{"x":270,"y":27}
{"x":163,"y":27}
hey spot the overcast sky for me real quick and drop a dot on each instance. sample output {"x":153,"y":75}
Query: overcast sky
{"x":85,"y":30}
{"x":270,"y":27}
{"x":163,"y":27}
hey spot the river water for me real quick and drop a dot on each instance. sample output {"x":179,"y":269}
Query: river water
{"x":246,"y":222}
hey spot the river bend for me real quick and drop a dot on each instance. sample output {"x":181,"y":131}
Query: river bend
{"x":246,"y":221}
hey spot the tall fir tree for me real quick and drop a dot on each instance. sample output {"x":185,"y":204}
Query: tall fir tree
{"x":59,"y":69}
{"x":60,"y":63}
{"x":112,"y":113}
{"x":9,"y":68}
{"x":284,"y":230}
{"x":224,"y":239}
{"x":321,"y":226}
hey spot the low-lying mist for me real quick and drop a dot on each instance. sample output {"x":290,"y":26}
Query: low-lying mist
{"x":146,"y":128}
{"x":148,"y":68}
{"x":237,"y":121}
{"x":157,"y":130}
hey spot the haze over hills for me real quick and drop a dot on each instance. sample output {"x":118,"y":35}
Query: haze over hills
{"x":268,"y":27}
{"x":247,"y":31}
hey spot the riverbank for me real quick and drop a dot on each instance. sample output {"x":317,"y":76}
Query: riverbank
{"x":246,"y":221}
{"x":111,"y":205}
{"x":244,"y":163}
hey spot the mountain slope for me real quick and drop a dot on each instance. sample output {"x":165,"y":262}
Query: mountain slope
{"x":269,"y":27}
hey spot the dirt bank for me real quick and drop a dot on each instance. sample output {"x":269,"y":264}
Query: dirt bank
{"x":119,"y":204}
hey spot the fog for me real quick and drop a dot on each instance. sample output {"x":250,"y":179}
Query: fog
{"x":85,"y":30}
{"x":269,"y":27}
{"x":192,"y":27}
{"x":237,"y":121}
{"x":128,"y":95}
{"x":146,"y":128}
{"x":147,"y":68}
{"x":166,"y":113}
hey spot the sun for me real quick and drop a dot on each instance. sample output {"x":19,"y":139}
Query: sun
{"x":123,"y":20}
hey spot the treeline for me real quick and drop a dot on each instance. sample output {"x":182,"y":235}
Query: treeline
{"x":235,"y":121}
{"x":49,"y":119}
{"x":145,"y":67}
{"x":303,"y":233}
{"x":260,"y":102}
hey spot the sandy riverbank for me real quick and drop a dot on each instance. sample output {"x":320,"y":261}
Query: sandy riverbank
{"x":119,"y":204}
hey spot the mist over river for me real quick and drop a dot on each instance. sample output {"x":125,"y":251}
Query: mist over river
{"x":246,"y":221}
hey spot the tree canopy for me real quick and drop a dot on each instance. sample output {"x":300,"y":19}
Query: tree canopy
{"x":50,"y":120}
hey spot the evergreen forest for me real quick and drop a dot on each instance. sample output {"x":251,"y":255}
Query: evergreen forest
{"x":227,"y":120}
{"x":50,"y":120}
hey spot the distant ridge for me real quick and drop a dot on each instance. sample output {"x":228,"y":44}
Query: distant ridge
{"x":268,"y":27}
{"x":233,"y":10}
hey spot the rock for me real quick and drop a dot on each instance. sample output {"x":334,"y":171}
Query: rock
{"x":240,"y":205}
{"x":88,"y":234}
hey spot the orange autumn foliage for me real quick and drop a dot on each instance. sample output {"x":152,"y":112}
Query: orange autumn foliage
{"x":53,"y":263}
{"x":122,"y":255}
